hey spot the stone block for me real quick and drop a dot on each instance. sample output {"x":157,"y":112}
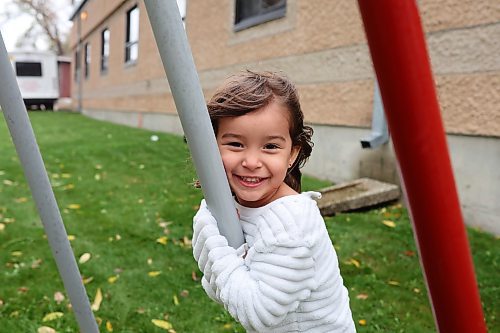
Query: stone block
{"x":356,"y":194}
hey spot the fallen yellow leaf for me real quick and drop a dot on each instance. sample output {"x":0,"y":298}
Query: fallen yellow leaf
{"x":162,"y":324}
{"x":65,"y":175}
{"x":88,"y":280}
{"x":97,"y":300}
{"x":354,"y":262}
{"x":112,"y":279}
{"x":84,"y":258}
{"x":109,"y":326}
{"x":21,"y":200}
{"x":362,"y":296}
{"x":362,"y":322}
{"x":16,"y":253}
{"x":52,"y":316}
{"x":154,"y":273}
{"x":46,"y":329}
{"x":8,"y":220}
{"x":36,"y":263}
{"x":71,"y":237}
{"x":186,"y":241}
{"x":2,"y":227}
{"x":393,"y":283}
{"x":69,"y":187}
{"x":389,"y":223}
{"x":162,"y":240}
{"x":74,"y":206}
{"x":176,"y":300}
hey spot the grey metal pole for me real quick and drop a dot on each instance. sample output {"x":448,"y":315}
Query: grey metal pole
{"x":24,"y":140}
{"x":186,"y":89}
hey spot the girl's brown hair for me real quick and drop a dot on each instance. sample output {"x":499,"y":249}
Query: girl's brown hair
{"x":249,"y":91}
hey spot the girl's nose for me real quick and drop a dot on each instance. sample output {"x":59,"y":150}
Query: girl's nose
{"x":251,"y":161}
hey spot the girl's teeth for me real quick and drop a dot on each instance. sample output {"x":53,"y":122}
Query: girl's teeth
{"x":250,"y":179}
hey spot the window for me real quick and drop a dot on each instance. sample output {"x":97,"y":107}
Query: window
{"x":132,"y":38}
{"x":87,"y":60}
{"x":28,"y":69}
{"x":104,"y":50}
{"x":77,"y":65}
{"x":254,"y":12}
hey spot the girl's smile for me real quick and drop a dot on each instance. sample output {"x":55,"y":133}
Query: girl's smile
{"x":250,"y":181}
{"x":257,"y":151}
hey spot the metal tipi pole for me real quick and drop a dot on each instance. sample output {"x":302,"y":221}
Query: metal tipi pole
{"x":24,"y":140}
{"x":188,"y":96}
{"x":399,"y":53}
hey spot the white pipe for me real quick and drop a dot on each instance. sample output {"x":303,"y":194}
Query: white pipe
{"x":24,"y":140}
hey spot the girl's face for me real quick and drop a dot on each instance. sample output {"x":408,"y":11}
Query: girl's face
{"x":257,"y":151}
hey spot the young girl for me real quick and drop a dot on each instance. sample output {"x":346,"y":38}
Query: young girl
{"x":286,"y":277}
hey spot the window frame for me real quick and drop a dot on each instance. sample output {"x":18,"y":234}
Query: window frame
{"x":105,"y":50}
{"x":245,"y":23}
{"x":130,"y":44}
{"x":86,"y":60}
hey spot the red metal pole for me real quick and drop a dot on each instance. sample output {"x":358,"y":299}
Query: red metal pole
{"x":397,"y":45}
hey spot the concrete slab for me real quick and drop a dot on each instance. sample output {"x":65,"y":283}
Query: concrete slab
{"x":356,"y":194}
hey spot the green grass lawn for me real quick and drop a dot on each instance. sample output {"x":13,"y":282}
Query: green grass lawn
{"x":127,"y":203}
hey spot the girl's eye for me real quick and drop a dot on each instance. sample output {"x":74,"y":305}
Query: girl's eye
{"x":271,"y":146}
{"x":234,"y":144}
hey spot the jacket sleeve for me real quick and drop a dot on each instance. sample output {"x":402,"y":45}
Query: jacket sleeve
{"x":260,"y":289}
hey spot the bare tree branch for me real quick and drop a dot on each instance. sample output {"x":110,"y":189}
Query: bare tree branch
{"x":46,"y":19}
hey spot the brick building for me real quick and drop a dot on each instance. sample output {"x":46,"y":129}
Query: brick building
{"x":321,"y":45}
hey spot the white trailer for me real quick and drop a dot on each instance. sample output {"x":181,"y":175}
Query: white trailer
{"x":37,"y":77}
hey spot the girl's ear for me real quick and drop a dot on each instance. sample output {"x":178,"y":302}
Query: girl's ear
{"x":293,"y":156}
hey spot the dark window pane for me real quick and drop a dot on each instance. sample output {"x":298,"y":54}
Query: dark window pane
{"x":253,"y":12}
{"x":28,"y":69}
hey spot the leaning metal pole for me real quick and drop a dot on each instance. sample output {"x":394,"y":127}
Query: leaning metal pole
{"x":24,"y":140}
{"x":186,"y":89}
{"x":399,"y":53}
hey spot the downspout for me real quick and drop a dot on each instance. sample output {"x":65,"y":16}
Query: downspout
{"x":78,"y":65}
{"x":380,"y":132}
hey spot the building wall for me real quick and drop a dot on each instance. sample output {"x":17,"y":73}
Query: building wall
{"x":321,"y":45}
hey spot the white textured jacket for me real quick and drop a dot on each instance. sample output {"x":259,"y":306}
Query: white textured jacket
{"x":285,"y":278}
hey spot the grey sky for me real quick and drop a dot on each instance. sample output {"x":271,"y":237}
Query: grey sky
{"x":14,"y":27}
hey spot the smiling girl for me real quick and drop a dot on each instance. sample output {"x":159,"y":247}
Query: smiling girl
{"x":285,"y":278}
